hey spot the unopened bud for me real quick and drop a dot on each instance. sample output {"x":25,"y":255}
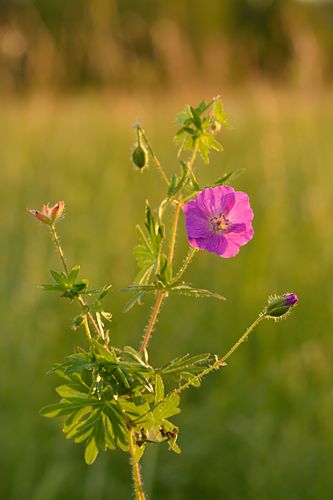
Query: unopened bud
{"x":140,"y":157}
{"x":279,"y":306}
{"x":48,"y":215}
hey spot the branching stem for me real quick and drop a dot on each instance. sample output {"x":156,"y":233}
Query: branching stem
{"x":220,"y":362}
{"x":173,"y":236}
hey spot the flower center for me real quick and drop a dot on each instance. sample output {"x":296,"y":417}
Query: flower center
{"x":219,"y":223}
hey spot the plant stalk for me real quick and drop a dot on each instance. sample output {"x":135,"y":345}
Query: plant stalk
{"x":154,"y":157}
{"x":80,"y":299}
{"x":138,"y":486}
{"x":220,"y":362}
{"x":152,"y":322}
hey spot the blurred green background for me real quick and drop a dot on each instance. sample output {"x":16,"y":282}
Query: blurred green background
{"x":74,"y":77}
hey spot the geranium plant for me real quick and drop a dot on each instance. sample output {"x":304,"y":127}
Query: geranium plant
{"x":115,"y":398}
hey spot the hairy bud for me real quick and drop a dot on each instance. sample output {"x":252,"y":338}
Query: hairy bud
{"x":279,"y":306}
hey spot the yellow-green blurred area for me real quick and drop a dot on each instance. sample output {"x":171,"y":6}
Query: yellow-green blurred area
{"x":74,"y":78}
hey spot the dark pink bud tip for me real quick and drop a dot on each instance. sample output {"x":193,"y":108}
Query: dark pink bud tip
{"x":290,"y":299}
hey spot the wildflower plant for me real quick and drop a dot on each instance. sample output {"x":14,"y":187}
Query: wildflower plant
{"x":115,"y":398}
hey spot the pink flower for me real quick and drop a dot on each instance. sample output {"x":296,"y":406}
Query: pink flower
{"x":219,"y":220}
{"x":48,"y":215}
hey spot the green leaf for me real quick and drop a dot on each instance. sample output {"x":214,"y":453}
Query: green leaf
{"x":137,"y":299}
{"x":66,"y":392}
{"x":59,"y":278}
{"x":73,"y":274}
{"x":91,"y":451}
{"x":196,"y":117}
{"x":204,"y":151}
{"x":104,"y":291}
{"x":77,"y":321}
{"x":173,"y":446}
{"x":168,"y":408}
{"x":48,"y":287}
{"x":159,"y":389}
{"x":213,"y":143}
{"x":194,"y":292}
{"x":226,"y":178}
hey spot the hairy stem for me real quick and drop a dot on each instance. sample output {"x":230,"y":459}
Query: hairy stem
{"x":152,"y":322}
{"x":174,"y":234}
{"x":154,"y":157}
{"x":138,"y":486}
{"x":220,"y":362}
{"x":59,"y":248}
{"x":186,"y":262}
{"x":80,"y":299}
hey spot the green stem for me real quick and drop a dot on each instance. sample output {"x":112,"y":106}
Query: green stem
{"x":138,"y":486}
{"x":186,"y":262}
{"x":59,"y":248}
{"x":80,"y":299}
{"x":174,"y":234}
{"x":221,"y":361}
{"x":154,"y":157}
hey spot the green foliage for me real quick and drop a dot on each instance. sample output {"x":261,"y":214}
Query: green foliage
{"x":148,"y":255}
{"x":108,"y":391}
{"x":199,"y":125}
{"x":67,"y":285}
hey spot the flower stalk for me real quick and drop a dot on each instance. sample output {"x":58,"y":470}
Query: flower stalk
{"x":87,"y":314}
{"x":136,"y":474}
{"x":221,"y":362}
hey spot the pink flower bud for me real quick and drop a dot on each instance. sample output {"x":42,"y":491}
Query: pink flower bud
{"x":49,"y":215}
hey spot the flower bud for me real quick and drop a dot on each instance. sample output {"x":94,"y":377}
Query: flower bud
{"x":48,"y":215}
{"x":280,"y":305}
{"x":140,"y":157}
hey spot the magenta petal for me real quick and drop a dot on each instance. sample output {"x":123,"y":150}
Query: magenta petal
{"x":235,"y":228}
{"x":231,"y":250}
{"x":241,"y":239}
{"x":241,"y":211}
{"x":216,"y":200}
{"x":196,"y":224}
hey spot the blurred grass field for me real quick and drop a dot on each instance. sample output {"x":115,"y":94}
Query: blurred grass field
{"x":262,"y":427}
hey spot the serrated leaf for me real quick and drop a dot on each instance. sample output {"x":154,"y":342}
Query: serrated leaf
{"x":195,"y":292}
{"x":168,"y":408}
